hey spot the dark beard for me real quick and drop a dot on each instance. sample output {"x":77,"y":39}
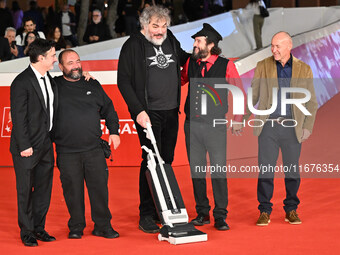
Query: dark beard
{"x":74,"y":76}
{"x":201,"y":53}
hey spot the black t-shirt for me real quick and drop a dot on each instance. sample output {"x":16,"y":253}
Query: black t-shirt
{"x":81,"y":106}
{"x":162,"y":77}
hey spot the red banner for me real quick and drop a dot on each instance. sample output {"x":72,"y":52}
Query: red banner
{"x":128,"y":153}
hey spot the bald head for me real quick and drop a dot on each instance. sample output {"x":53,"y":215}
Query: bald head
{"x":70,"y":65}
{"x":65,"y":52}
{"x":282,"y":45}
{"x":282,"y":35}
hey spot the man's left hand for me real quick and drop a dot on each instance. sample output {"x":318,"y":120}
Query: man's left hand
{"x":237,"y":129}
{"x":88,"y":76}
{"x":305,"y":134}
{"x":115,"y":140}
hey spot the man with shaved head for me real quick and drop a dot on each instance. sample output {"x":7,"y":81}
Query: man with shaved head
{"x":80,"y":157}
{"x":284,"y":129}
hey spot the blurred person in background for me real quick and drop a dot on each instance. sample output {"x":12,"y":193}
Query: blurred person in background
{"x":258,"y":20}
{"x":130,"y":14}
{"x":146,"y":3}
{"x":194,"y":9}
{"x":216,"y":7}
{"x":5,"y":52}
{"x":67,"y":23}
{"x":51,"y":19}
{"x":36,"y":15}
{"x":30,"y":37}
{"x":29,"y":26}
{"x":167,"y":4}
{"x":97,"y":30}
{"x":10,"y":35}
{"x":56,"y":36}
{"x":6,"y":19}
{"x":17,"y":14}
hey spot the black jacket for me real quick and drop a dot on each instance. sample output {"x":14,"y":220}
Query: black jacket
{"x":5,"y":51}
{"x":6,"y":20}
{"x":101,"y":30}
{"x":132,"y":72}
{"x":29,"y":113}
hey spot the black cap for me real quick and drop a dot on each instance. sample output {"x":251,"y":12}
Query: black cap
{"x":209,"y":32}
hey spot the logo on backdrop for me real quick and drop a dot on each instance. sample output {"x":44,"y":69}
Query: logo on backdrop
{"x":6,"y":123}
{"x":239,"y":107}
{"x":238,"y":100}
{"x":126,"y":127}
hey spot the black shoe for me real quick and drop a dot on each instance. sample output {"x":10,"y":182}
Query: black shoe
{"x":148,"y":225}
{"x":29,"y":240}
{"x":220,"y":224}
{"x":44,"y":236}
{"x":75,"y":234}
{"x":201,"y":219}
{"x":156,"y":219}
{"x":107,"y":233}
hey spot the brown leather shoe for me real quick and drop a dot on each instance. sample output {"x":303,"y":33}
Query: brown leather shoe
{"x":293,"y":218}
{"x":263,"y":220}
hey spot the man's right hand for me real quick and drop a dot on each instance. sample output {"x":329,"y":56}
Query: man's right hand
{"x":142,"y":118}
{"x":14,"y":51}
{"x":27,"y":153}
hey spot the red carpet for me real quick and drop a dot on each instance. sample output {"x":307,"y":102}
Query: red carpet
{"x":319,"y":211}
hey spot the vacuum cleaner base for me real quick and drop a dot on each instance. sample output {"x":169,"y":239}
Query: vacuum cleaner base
{"x":181,"y":233}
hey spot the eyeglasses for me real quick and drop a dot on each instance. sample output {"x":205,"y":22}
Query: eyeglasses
{"x":31,"y":37}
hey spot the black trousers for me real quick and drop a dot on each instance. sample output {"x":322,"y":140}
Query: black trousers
{"x":270,"y":141}
{"x":165,"y":128}
{"x":34,"y":176}
{"x":200,"y":138}
{"x":73,"y":39}
{"x":91,"y":167}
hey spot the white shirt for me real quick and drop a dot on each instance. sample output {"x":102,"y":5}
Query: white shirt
{"x":66,"y":29}
{"x":20,"y":41}
{"x":49,"y":89}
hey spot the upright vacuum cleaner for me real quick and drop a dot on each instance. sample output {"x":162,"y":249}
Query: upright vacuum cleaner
{"x":168,"y":199}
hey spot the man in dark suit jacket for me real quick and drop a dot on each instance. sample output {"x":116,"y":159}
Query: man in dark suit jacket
{"x":97,"y":31}
{"x":33,"y":103}
{"x":5,"y":51}
{"x":6,"y":19}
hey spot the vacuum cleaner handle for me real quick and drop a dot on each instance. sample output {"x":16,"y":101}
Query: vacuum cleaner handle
{"x":149,"y":133}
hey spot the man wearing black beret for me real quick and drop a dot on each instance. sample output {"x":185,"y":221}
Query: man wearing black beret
{"x":203,"y":70}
